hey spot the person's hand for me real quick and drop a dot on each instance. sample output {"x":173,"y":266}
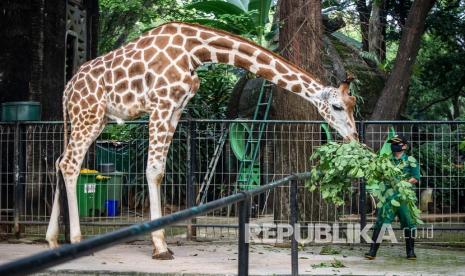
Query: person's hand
{"x":413,"y":180}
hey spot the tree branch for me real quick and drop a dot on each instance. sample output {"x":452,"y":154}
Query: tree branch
{"x":442,"y":100}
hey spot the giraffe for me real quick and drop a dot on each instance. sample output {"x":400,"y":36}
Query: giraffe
{"x":155,"y":75}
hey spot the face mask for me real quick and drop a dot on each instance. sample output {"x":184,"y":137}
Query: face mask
{"x":396,"y":148}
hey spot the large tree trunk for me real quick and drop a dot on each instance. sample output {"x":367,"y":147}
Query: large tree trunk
{"x":364,"y":17}
{"x":301,"y":42}
{"x":375,"y":33}
{"x":395,"y":92}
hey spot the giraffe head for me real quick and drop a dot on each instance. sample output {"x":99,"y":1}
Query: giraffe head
{"x":336,"y":105}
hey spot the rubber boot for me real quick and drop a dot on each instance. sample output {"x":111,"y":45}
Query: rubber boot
{"x":371,"y":255}
{"x":410,"y":243}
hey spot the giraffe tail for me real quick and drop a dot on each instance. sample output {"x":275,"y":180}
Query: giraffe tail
{"x":65,"y":127}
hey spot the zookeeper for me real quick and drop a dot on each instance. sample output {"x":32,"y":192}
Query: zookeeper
{"x":399,"y":145}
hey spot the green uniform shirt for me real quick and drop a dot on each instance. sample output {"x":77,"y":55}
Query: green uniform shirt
{"x":386,"y":214}
{"x":408,"y":170}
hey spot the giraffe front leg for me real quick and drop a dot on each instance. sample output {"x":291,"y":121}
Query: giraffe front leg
{"x":155,"y":173}
{"x":158,"y":142}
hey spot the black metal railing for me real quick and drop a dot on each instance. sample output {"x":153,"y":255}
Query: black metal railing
{"x":41,"y":261}
{"x":29,"y":149}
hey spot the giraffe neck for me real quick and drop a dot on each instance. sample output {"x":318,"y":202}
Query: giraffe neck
{"x":207,"y":45}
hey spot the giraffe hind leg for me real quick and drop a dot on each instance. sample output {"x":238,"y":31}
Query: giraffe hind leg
{"x":53,"y":227}
{"x":82,"y":136}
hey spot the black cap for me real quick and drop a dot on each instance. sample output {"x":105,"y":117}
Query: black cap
{"x":398,"y":139}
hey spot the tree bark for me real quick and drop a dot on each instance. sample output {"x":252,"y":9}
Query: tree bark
{"x":301,"y":42}
{"x":375,"y":31}
{"x":395,"y":91}
{"x":364,"y":17}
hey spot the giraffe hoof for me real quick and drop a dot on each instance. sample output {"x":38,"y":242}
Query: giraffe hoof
{"x":76,"y":239}
{"x":167,"y":255}
{"x":53,"y":244}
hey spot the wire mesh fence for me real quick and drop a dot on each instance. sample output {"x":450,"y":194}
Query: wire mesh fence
{"x":209,"y":160}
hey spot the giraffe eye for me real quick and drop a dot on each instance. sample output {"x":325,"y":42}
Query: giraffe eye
{"x":337,"y":107}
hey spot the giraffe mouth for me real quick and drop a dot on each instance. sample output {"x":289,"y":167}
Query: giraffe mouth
{"x":351,"y":137}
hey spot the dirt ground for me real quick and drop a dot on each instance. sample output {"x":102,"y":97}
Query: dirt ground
{"x":220,"y":258}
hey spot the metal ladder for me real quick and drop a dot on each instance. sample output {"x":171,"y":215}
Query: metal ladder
{"x":254,"y":137}
{"x":202,"y":195}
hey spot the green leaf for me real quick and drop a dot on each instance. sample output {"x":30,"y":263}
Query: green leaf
{"x":395,"y":203}
{"x":262,"y":11}
{"x":242,"y":4}
{"x":360,"y":173}
{"x":216,"y":7}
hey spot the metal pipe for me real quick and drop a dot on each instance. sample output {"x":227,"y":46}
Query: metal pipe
{"x":294,"y":247}
{"x":190,"y":165}
{"x":243,"y":252}
{"x":17,"y":192}
{"x":261,"y":121}
{"x":362,"y":192}
{"x":68,"y":252}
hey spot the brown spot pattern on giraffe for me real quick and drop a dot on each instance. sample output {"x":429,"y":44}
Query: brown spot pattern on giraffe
{"x":117,"y":61}
{"x":265,"y":73}
{"x":205,"y":35}
{"x":128,"y":98}
{"x":149,"y":53}
{"x":136,"y":69}
{"x":159,"y":63}
{"x":176,"y":93}
{"x":242,"y":62}
{"x":280,"y":68}
{"x":188,"y":31}
{"x":191,"y":43}
{"x":262,"y":58}
{"x":162,"y":92}
{"x":172,"y":74}
{"x":203,"y":54}
{"x":290,"y":77}
{"x":149,"y":78}
{"x":90,"y":83}
{"x":122,"y":86}
{"x":160,"y":82}
{"x":178,"y":40}
{"x":221,"y":43}
{"x":161,"y":41}
{"x":119,"y":74}
{"x":174,"y":52}
{"x":246,"y":49}
{"x":296,"y":88}
{"x":144,"y":42}
{"x":222,"y":57}
{"x":137,"y":86}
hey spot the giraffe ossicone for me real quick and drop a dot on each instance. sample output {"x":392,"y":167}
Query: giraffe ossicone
{"x":155,"y":75}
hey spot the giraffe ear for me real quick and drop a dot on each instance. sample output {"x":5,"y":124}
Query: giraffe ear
{"x":344,"y":86}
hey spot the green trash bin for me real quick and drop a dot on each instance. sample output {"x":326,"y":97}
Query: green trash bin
{"x":116,"y":153}
{"x":115,"y":185}
{"x":91,"y":193}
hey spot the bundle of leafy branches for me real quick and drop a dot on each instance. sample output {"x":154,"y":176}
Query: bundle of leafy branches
{"x":338,"y":165}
